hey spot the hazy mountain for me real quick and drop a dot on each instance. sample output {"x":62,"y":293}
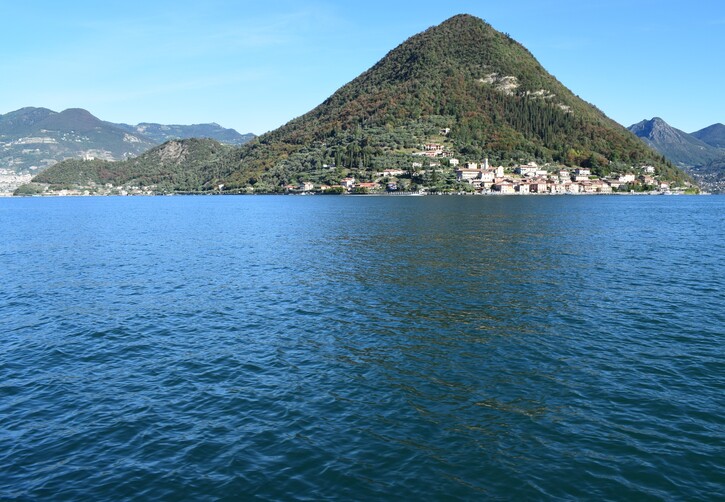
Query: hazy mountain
{"x":681,"y":148}
{"x":22,"y":121}
{"x":160,"y":133}
{"x":713,"y":135}
{"x":31,"y":139}
{"x":461,"y":84}
{"x":697,"y":153}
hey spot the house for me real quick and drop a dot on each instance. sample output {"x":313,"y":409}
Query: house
{"x":347,"y":182}
{"x":586,"y":187}
{"x":398,"y":172}
{"x":559,"y":188}
{"x":538,"y":186}
{"x":526,"y":170}
{"x":453,"y":162}
{"x":522,"y":188}
{"x":467,"y":174}
{"x":367,"y":186}
{"x":503,"y":187}
{"x":471,"y":175}
{"x":307,"y":186}
{"x":572,"y":187}
{"x":599,"y":186}
{"x":648,"y":169}
{"x":626,"y":178}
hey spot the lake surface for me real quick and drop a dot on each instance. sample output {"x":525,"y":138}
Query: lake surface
{"x":362,"y":348}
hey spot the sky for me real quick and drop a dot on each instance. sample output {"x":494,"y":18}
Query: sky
{"x":254,"y":65}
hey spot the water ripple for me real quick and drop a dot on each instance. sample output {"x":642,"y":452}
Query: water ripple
{"x":362,"y":348}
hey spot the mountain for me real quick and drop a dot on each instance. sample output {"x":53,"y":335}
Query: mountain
{"x":713,"y":135}
{"x":697,"y":153}
{"x":22,"y":121}
{"x":681,"y":148}
{"x":463,"y":86}
{"x":159,"y":133}
{"x":32,"y":139}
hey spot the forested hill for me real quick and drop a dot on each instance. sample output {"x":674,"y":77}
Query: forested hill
{"x":497,"y":100}
{"x":177,"y":165}
{"x":461,"y":84}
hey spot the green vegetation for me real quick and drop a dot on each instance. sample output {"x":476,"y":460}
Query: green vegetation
{"x":29,"y":189}
{"x":176,"y":166}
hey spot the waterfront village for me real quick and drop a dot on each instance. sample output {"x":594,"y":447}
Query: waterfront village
{"x":522,"y":179}
{"x":482,"y":178}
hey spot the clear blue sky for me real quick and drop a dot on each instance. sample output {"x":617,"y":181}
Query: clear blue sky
{"x":254,"y":65}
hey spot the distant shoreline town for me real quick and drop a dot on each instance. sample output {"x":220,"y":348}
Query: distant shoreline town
{"x":471,"y":177}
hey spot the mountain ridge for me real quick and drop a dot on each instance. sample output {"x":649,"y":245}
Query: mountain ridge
{"x":713,"y":135}
{"x":704,"y":160}
{"x":32,"y":139}
{"x":680,"y":147}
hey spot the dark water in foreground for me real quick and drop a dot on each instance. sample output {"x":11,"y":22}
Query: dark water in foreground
{"x":362,"y":348}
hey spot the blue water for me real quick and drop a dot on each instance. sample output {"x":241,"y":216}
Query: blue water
{"x":362,"y":348}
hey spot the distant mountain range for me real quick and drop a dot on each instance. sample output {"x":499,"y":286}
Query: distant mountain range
{"x":32,"y":139}
{"x":701,"y":153}
{"x":460,"y":89}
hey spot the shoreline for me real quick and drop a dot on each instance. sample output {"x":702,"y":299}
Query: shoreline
{"x":390,"y":194}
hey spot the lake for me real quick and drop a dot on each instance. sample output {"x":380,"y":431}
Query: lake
{"x":358,"y":348}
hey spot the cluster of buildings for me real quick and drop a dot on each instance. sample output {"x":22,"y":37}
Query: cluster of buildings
{"x":531,"y":178}
{"x":10,"y":180}
{"x":522,"y":179}
{"x":346,"y":185}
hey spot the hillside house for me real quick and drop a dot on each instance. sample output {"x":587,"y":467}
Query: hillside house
{"x":369,"y":186}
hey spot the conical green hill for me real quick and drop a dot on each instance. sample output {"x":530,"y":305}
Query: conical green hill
{"x":462,"y":75}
